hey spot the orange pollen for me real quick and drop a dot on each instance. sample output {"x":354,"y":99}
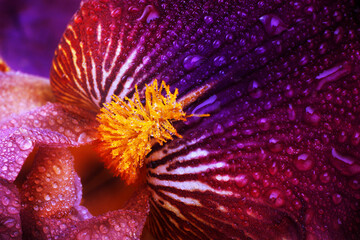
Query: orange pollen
{"x":128,"y":129}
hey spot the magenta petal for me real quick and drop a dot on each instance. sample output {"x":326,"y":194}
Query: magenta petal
{"x":10,"y":225}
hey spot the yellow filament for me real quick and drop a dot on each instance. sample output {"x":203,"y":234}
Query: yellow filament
{"x":128,"y":129}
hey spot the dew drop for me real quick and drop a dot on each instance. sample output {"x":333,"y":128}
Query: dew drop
{"x":116,"y":12}
{"x":103,"y":229}
{"x":254,"y":90}
{"x":219,"y":61}
{"x":291,"y":113}
{"x":84,"y":235}
{"x":273,"y":24}
{"x":264,"y":124}
{"x":324,"y":177}
{"x":241,"y":180}
{"x":41,"y":169}
{"x":24,"y":143}
{"x":12,"y":210}
{"x":208,"y":20}
{"x":337,"y":198}
{"x":218,"y":129}
{"x":192,"y":62}
{"x":312,"y":117}
{"x":5,"y":200}
{"x":38,"y":188}
{"x":355,"y":139}
{"x":304,"y":162}
{"x":345,"y":164}
{"x":47,"y":197}
{"x":56,"y":169}
{"x":150,"y":13}
{"x":275,"y":197}
{"x":275,"y":145}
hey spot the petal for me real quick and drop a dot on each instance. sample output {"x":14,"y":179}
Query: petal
{"x":20,"y":93}
{"x":10,"y":224}
{"x":74,"y":123}
{"x":52,"y":187}
{"x":279,"y":156}
{"x":51,"y":196}
{"x":18,"y":143}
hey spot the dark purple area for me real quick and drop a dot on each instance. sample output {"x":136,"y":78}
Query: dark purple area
{"x":30,"y":32}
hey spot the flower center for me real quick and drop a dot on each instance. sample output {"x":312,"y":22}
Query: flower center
{"x":128,"y":129}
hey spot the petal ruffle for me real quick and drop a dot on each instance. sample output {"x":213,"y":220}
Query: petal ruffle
{"x":51,"y":196}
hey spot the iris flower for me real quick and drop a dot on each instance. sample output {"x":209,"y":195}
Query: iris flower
{"x":241,"y":119}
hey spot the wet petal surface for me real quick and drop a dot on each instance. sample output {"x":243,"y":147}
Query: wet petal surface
{"x":20,"y":93}
{"x":10,"y":224}
{"x":279,"y":155}
{"x":51,"y":197}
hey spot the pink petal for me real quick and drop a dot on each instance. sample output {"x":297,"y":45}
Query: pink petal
{"x":21,"y":92}
{"x":74,"y":123}
{"x":17,"y":144}
{"x":51,"y":124}
{"x":10,"y":225}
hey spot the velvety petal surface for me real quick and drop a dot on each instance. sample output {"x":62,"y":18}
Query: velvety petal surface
{"x":279,"y":155}
{"x":20,"y":93}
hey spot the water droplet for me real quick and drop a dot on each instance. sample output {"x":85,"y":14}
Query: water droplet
{"x":241,"y":180}
{"x":324,"y":177}
{"x":84,"y":235}
{"x":218,"y":129}
{"x":38,"y":188}
{"x":12,"y":210}
{"x":275,"y":145}
{"x":343,"y":163}
{"x":338,"y":34}
{"x":291,"y":113}
{"x":275,"y":197}
{"x":103,"y":229}
{"x":273,"y":168}
{"x":312,"y":117}
{"x":24,"y":143}
{"x":192,"y":61}
{"x":264,"y":124}
{"x":5,"y":200}
{"x":273,"y":24}
{"x":116,"y":12}
{"x":41,"y":169}
{"x":355,"y":139}
{"x":219,"y":61}
{"x":355,"y":183}
{"x":54,"y":185}
{"x":337,"y":198}
{"x":56,"y":169}
{"x":150,"y":13}
{"x":208,"y":19}
{"x":254,"y":89}
{"x":333,"y":74}
{"x":304,"y":162}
